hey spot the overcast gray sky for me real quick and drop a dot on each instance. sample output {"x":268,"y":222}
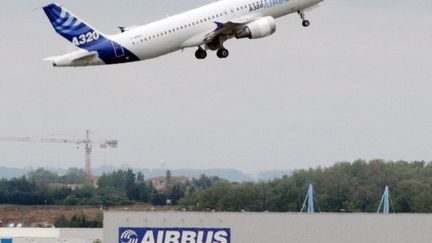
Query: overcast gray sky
{"x":356,"y":84}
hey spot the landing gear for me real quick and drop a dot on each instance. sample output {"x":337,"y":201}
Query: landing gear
{"x":222,"y":53}
{"x":200,"y":53}
{"x":305,"y":23}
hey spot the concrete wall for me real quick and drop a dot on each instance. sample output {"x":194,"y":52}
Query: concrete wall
{"x":49,"y":240}
{"x":284,"y":227}
{"x":28,"y":232}
{"x":92,"y":234}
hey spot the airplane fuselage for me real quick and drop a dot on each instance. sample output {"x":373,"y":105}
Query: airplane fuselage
{"x":176,"y":32}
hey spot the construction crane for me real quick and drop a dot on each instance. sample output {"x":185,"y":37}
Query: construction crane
{"x":87,"y":142}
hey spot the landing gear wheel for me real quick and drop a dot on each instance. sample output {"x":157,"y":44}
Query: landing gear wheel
{"x":305,"y":22}
{"x":200,"y":54}
{"x":222,"y":53}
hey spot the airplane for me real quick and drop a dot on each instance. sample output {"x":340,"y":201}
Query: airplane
{"x":205,"y":28}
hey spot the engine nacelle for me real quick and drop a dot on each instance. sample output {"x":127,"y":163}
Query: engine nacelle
{"x":260,"y":28}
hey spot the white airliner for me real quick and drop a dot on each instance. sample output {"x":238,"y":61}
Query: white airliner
{"x":204,"y":28}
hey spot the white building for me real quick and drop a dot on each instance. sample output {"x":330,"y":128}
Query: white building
{"x":50,"y":235}
{"x":178,"y":227}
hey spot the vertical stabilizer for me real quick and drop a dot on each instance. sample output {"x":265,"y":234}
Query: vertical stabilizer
{"x":86,"y":37}
{"x":71,"y":27}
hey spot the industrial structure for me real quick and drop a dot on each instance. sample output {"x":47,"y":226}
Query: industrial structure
{"x":309,"y":200}
{"x":87,"y":142}
{"x":386,"y":202}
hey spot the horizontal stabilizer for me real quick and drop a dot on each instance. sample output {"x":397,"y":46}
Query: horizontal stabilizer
{"x":73,"y":59}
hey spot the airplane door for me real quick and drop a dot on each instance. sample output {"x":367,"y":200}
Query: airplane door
{"x":118,"y":49}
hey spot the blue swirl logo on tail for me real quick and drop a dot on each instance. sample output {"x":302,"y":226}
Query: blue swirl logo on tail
{"x":69,"y":26}
{"x":82,"y":35}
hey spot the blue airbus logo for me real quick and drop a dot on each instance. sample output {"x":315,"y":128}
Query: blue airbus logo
{"x":174,"y":235}
{"x":129,"y":236}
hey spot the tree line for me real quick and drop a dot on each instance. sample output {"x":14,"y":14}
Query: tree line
{"x":343,"y":187}
{"x":43,"y":187}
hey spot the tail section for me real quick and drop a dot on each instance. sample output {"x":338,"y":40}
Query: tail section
{"x":71,"y":27}
{"x":86,"y":37}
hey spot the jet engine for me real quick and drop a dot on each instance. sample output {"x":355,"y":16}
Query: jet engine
{"x":259,"y":28}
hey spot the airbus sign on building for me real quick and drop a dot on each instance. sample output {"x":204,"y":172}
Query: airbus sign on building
{"x":174,"y":235}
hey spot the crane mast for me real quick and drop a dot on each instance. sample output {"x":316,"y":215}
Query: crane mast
{"x":87,"y":142}
{"x":88,"y":153}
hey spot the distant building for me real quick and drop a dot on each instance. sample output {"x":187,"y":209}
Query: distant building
{"x":61,"y":185}
{"x":94,"y":180}
{"x":160,"y":182}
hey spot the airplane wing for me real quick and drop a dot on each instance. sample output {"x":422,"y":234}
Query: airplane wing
{"x":231,"y":26}
{"x":227,"y":28}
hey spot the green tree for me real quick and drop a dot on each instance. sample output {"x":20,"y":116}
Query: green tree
{"x":74,"y":176}
{"x":43,"y":176}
